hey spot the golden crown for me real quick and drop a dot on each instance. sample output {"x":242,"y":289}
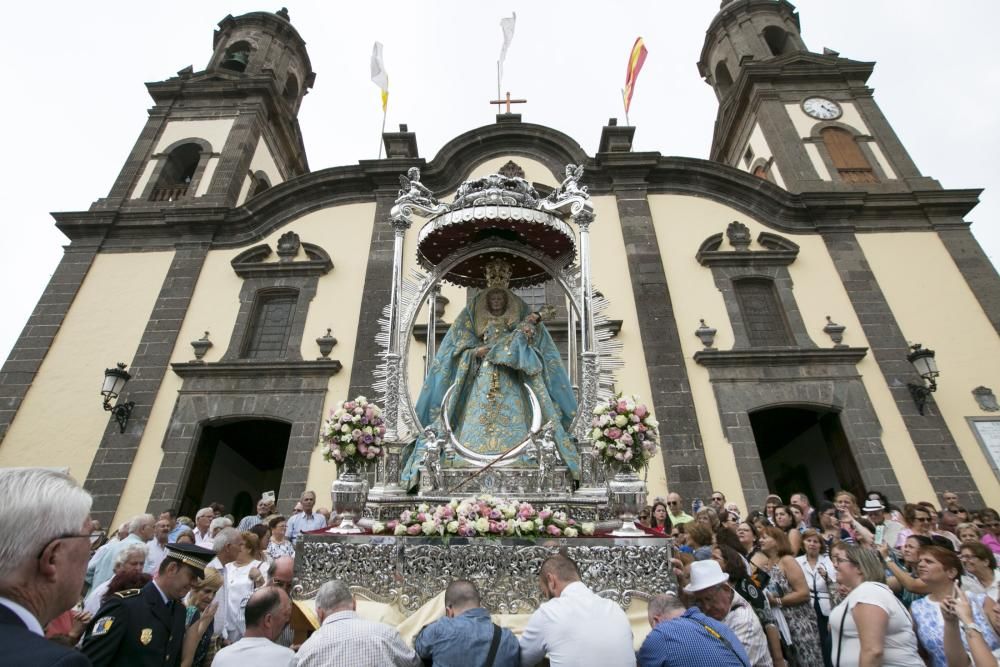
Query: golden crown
{"x":498,"y":273}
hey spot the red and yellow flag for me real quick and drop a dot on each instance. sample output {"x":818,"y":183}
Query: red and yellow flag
{"x":635,"y":60}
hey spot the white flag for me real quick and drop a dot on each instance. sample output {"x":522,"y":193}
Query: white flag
{"x":507,"y":25}
{"x":379,"y":76}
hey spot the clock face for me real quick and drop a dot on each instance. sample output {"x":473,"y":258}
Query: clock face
{"x":822,"y":108}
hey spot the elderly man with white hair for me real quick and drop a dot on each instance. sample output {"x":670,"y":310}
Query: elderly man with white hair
{"x":229,"y":617}
{"x":140,"y":531}
{"x":131,"y":558}
{"x":202,"y":527}
{"x":347,"y":640}
{"x":42,"y":569}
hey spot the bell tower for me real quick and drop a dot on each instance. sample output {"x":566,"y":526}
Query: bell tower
{"x":220,"y":136}
{"x":805,"y":121}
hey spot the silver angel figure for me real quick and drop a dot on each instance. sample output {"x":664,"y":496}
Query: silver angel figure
{"x":432,"y":459}
{"x":570,"y":185}
{"x":414,"y":191}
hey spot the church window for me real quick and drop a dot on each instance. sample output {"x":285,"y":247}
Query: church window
{"x":237,"y":57}
{"x":763,"y":316}
{"x":748,"y":156}
{"x":291,"y":92}
{"x":777,"y":40}
{"x":177,"y":172}
{"x":270,"y":325}
{"x":723,"y":80}
{"x":846,"y":155}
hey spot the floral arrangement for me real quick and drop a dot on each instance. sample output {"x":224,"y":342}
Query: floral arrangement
{"x":353,"y":432}
{"x":484,"y":516}
{"x":624,"y":432}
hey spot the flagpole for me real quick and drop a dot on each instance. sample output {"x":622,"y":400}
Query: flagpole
{"x":385,"y":112}
{"x":625,"y":106}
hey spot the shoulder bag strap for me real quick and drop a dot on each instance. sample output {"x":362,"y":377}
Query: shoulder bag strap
{"x":840,"y":635}
{"x":494,"y":645}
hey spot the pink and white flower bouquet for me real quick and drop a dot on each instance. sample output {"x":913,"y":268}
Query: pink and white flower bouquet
{"x":484,"y":516}
{"x":353,"y":433}
{"x":624,"y":432}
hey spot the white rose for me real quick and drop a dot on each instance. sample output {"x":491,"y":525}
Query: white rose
{"x":587,"y":528}
{"x":452,"y":527}
{"x":571,"y":532}
{"x":621,"y":420}
{"x":378,"y":527}
{"x":400,"y":529}
{"x":596,"y":434}
{"x":428,"y":527}
{"x":601,"y":409}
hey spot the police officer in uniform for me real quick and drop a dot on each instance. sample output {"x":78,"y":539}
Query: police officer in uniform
{"x":144,"y":626}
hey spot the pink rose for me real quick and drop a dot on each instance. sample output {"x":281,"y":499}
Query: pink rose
{"x":414,"y":529}
{"x":553,"y":530}
{"x":614,"y":433}
{"x":544,"y":514}
{"x":641,"y":411}
{"x":622,"y":407}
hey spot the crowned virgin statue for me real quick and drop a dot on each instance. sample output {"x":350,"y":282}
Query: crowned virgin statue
{"x":495,"y":347}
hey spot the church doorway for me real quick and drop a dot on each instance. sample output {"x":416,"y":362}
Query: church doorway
{"x":805,"y":449}
{"x":236,"y":462}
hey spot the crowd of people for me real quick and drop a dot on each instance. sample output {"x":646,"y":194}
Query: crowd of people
{"x":838,"y":583}
{"x":844,"y":582}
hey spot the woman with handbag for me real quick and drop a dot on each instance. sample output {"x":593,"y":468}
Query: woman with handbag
{"x":870,"y":627}
{"x":820,"y":577}
{"x":788,"y":594}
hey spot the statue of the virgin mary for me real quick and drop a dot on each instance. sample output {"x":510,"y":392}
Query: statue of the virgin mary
{"x":496,"y":346}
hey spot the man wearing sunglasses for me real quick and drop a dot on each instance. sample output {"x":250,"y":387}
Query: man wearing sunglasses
{"x":675,"y":505}
{"x":41,"y":570}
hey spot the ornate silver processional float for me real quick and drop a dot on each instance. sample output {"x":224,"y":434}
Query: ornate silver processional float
{"x":497,"y":231}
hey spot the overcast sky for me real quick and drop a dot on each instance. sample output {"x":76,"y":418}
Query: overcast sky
{"x":75,"y":100}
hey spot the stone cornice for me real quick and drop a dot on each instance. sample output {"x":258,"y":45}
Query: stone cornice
{"x":781,"y":357}
{"x":257,"y":369}
{"x":151,"y":228}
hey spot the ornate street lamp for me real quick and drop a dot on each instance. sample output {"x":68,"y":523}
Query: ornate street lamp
{"x":925,"y":365}
{"x":115,"y":380}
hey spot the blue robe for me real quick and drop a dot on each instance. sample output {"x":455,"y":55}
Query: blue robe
{"x":490,"y":411}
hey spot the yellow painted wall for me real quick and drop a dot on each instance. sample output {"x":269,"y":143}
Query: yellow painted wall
{"x":213,"y":131}
{"x":935,"y":307}
{"x":261,"y":161}
{"x":345,"y":232}
{"x":60,"y":422}
{"x":682,"y":224}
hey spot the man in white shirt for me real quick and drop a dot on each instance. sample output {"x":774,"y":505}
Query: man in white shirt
{"x":156,"y":548}
{"x":307,"y":520}
{"x":202,"y":527}
{"x":345,"y":639}
{"x":575,"y":626}
{"x":801,"y":501}
{"x":227,"y":547}
{"x":875,"y":512}
{"x":267,"y":613}
{"x":710,"y":591}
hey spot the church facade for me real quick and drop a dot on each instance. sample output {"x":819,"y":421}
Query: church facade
{"x":767,"y":299}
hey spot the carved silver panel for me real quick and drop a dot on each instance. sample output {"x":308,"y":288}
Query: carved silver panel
{"x":410,"y":571}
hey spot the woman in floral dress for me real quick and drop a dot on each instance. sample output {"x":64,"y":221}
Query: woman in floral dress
{"x":788,"y":594}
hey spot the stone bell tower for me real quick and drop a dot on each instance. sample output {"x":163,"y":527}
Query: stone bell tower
{"x":220,"y":136}
{"x":803,"y":120}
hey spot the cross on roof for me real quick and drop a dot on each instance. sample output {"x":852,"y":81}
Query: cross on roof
{"x":508,"y":102}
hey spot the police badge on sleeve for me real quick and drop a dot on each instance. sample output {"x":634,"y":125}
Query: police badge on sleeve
{"x":102,"y":625}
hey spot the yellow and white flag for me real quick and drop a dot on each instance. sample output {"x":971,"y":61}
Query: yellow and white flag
{"x":379,"y":76}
